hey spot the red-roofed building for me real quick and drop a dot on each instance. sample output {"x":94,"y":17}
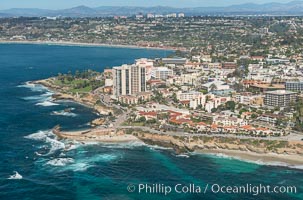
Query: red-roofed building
{"x":148,"y":115}
{"x":258,"y":58}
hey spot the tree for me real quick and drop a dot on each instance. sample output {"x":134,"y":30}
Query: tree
{"x":213,"y":87}
{"x":174,"y":97}
{"x":213,"y":110}
{"x":254,"y":116}
{"x":242,"y":111}
{"x":230,"y":105}
{"x":141,"y":119}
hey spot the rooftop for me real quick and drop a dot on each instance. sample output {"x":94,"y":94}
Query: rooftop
{"x":280,"y":92}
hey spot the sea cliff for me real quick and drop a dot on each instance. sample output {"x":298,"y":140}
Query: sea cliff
{"x":290,"y":152}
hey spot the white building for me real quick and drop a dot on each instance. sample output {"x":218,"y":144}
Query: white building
{"x":244,"y":98}
{"x":108,"y":82}
{"x":215,"y":85}
{"x":181,"y":15}
{"x":128,"y":80}
{"x":148,"y":64}
{"x":198,"y":101}
{"x":161,"y":73}
{"x":229,"y":121}
{"x":214,"y":102}
{"x":188,"y":95}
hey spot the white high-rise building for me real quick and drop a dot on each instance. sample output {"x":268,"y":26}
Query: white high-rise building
{"x":148,"y":64}
{"x":129,"y":80}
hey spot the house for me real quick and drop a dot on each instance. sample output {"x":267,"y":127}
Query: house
{"x":229,"y":65}
{"x":148,"y":115}
{"x":215,"y":85}
{"x":229,"y":121}
{"x":270,"y":118}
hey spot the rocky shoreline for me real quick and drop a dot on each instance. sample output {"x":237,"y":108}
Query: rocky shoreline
{"x":257,"y":150}
{"x":89,"y":100}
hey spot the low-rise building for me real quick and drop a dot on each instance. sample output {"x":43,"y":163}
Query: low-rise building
{"x":161,"y":73}
{"x":294,"y":86}
{"x":135,"y":99}
{"x":229,"y":121}
{"x":280,"y":98}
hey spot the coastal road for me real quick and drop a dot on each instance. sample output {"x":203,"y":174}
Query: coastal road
{"x":291,"y":137}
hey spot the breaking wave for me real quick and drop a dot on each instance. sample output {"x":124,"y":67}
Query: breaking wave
{"x":49,"y":138}
{"x":15,"y":176}
{"x":257,"y":162}
{"x":33,"y":87}
{"x":60,"y":161}
{"x":64,"y":113}
{"x":46,"y":103}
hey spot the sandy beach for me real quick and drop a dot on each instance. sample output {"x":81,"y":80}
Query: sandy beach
{"x":264,"y":159}
{"x":66,"y":43}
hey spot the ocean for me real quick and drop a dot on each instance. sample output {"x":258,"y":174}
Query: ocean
{"x":51,"y":169}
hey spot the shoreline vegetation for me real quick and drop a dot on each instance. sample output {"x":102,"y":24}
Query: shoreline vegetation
{"x":86,"y":44}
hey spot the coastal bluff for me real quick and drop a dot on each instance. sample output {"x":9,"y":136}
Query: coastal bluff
{"x":251,"y":149}
{"x":62,"y":93}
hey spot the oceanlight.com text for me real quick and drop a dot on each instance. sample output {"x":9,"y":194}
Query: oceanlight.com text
{"x":250,"y":189}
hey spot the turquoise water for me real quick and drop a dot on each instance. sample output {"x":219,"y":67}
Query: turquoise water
{"x":96,"y":171}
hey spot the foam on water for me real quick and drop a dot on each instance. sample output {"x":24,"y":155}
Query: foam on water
{"x":71,"y":147}
{"x":102,"y":157}
{"x":34,"y":87}
{"x":40,"y":135}
{"x":81,"y":164}
{"x":60,"y":161}
{"x":257,"y":162}
{"x":44,"y":99}
{"x":78,"y":167}
{"x":38,"y":154}
{"x":280,"y":164}
{"x":123,"y":145}
{"x":47,"y":94}
{"x":297,"y":167}
{"x":158,"y":147}
{"x":40,"y":98}
{"x":49,"y":138}
{"x":15,"y":176}
{"x":222,"y":155}
{"x":37,"y":98}
{"x":64,"y":113}
{"x":46,"y":104}
{"x":183,"y":155}
{"x":55,"y":145}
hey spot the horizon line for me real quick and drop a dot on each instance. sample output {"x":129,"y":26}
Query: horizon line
{"x":142,"y":6}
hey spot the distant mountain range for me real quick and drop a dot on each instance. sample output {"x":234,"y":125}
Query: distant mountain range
{"x":291,"y":8}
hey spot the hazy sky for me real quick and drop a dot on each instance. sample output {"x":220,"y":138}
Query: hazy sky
{"x":59,"y":4}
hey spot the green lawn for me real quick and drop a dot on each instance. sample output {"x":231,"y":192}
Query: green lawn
{"x":72,"y":84}
{"x":82,"y":90}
